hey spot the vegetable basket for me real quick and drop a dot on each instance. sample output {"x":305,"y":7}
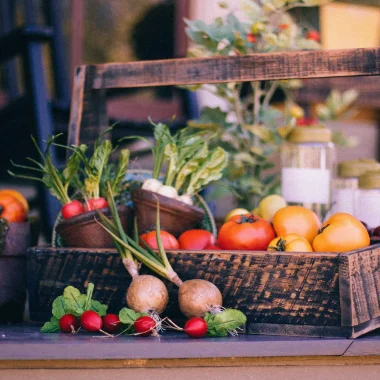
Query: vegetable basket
{"x":311,"y":294}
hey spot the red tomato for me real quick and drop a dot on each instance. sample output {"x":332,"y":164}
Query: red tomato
{"x":168,"y":240}
{"x":313,"y":35}
{"x":212,"y":248}
{"x":251,"y":38}
{"x":246,"y":232}
{"x":71,"y":209}
{"x":95,"y":203}
{"x":196,"y":239}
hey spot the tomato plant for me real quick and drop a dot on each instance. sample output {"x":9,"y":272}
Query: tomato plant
{"x":296,"y":220}
{"x":341,"y":233}
{"x":168,"y":240}
{"x":246,"y":232}
{"x":11,"y":209}
{"x":196,"y":239}
{"x":290,"y":243}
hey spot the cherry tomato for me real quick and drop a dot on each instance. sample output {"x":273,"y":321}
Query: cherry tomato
{"x":168,"y":240}
{"x":196,"y":239}
{"x":341,"y":233}
{"x":246,"y":232}
{"x":290,"y":243}
{"x":313,"y":35}
{"x":95,"y":203}
{"x":11,"y":209}
{"x":296,"y":220}
{"x":71,"y":209}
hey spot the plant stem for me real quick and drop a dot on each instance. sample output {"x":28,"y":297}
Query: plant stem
{"x":269,"y":94}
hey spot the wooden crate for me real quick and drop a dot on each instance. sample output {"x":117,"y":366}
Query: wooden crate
{"x":315,"y":294}
{"x":311,"y":294}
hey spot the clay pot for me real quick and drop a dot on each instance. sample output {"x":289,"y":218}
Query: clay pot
{"x":175,"y":216}
{"x":13,"y":272}
{"x":84,"y":231}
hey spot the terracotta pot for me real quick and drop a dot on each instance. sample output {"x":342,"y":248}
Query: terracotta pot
{"x":13,"y":278}
{"x":175,"y":216}
{"x":84,"y":231}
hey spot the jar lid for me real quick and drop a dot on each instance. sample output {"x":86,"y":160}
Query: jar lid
{"x":370,"y":180}
{"x":310,"y":133}
{"x":354,"y":168}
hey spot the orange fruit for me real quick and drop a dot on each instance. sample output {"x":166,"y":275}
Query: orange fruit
{"x":18,"y":196}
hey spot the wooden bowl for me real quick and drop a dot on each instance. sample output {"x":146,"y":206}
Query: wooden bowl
{"x":175,"y":216}
{"x":84,"y":231}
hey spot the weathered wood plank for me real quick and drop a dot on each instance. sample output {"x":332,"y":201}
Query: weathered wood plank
{"x":316,"y":90}
{"x":269,"y":66}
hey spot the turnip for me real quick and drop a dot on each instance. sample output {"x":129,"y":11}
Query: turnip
{"x":69,"y":323}
{"x":168,"y":191}
{"x":185,"y":199}
{"x":197,"y":297}
{"x":152,"y":184}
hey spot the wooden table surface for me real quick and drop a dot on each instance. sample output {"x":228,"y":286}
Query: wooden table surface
{"x":25,"y":351}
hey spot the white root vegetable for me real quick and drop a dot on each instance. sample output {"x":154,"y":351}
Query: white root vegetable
{"x":168,"y":191}
{"x":186,"y":199}
{"x":197,"y":297}
{"x":152,"y":184}
{"x":147,"y":293}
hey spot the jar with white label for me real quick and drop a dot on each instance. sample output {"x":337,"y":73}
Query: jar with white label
{"x":347,"y":182}
{"x":308,"y":160}
{"x":367,"y":199}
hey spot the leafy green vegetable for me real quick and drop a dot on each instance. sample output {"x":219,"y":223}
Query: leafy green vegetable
{"x":51,"y":327}
{"x":223,"y":323}
{"x":128,"y":316}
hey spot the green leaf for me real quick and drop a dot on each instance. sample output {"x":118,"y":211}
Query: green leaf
{"x":100,"y":308}
{"x":226,"y":321}
{"x":59,"y":308}
{"x":120,"y":172}
{"x":90,"y":290}
{"x":73,"y":163}
{"x":128,"y":316}
{"x":95,"y":168}
{"x":51,"y":327}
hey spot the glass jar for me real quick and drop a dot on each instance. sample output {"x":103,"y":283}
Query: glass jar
{"x":367,"y":199}
{"x":308,"y":160}
{"x":345,"y":186}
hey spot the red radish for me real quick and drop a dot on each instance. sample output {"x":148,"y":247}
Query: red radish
{"x":71,"y":209}
{"x":144,"y":325}
{"x":196,"y":327}
{"x":111,"y":323}
{"x":95,"y":203}
{"x":91,"y":321}
{"x":69,"y":323}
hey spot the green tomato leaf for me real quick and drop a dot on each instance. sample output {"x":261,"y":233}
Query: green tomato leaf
{"x":128,"y":316}
{"x":59,"y":308}
{"x":51,"y":327}
{"x":100,"y":308}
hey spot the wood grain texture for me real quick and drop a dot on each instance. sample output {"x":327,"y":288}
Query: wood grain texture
{"x":360,"y":286}
{"x":316,"y":90}
{"x":296,"y":289}
{"x":269,"y":66}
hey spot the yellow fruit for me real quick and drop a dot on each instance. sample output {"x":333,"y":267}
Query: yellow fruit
{"x":269,"y":205}
{"x":235,"y":211}
{"x":255,"y":211}
{"x":297,"y":112}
